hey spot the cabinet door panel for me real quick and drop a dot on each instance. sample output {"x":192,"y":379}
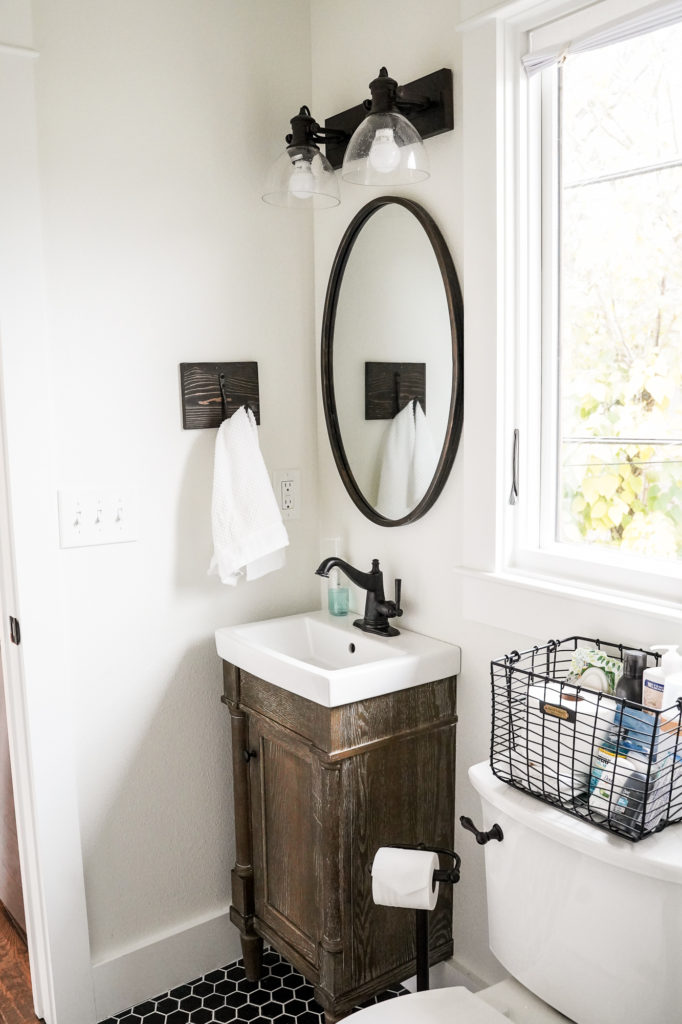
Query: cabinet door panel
{"x":400,"y":792}
{"x":283,"y":781}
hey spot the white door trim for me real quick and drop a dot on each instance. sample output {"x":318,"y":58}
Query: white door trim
{"x":38,"y":702}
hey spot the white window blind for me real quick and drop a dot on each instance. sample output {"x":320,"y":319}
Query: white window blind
{"x":591,"y":28}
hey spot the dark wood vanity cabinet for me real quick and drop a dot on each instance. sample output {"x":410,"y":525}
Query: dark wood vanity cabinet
{"x":317,"y":791}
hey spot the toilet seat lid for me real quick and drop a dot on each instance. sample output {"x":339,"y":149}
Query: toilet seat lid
{"x":437,"y":1006}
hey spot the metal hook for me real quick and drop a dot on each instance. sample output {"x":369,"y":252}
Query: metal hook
{"x":225,"y":399}
{"x":396,"y":384}
{"x":223,"y":385}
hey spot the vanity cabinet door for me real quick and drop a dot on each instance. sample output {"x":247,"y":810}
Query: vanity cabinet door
{"x":285,"y":819}
{"x":401,"y":791}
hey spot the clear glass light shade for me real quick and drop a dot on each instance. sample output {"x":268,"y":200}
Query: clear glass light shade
{"x":302,"y":178}
{"x":385,"y":150}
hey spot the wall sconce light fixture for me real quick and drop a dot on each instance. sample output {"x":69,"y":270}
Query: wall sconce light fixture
{"x":379,"y":142}
{"x":386,"y":132}
{"x":302,"y":177}
{"x":386,"y":149}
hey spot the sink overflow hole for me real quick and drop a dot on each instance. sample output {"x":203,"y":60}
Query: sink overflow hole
{"x":351,"y":648}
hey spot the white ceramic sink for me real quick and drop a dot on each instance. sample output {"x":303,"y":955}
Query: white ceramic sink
{"x":330,"y":661}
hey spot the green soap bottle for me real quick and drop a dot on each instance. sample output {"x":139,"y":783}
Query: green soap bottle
{"x":338,"y":596}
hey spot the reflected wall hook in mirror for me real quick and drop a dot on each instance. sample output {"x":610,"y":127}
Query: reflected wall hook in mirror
{"x":211,"y":392}
{"x":389,"y":387}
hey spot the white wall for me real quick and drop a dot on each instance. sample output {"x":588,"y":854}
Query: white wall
{"x":156,"y":123}
{"x":349,"y":44}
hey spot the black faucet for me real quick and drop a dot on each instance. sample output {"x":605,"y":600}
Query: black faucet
{"x":377,"y":609}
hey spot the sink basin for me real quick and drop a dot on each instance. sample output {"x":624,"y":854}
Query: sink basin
{"x":331,"y":662}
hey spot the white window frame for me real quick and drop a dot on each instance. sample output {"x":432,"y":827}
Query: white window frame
{"x":529,"y":546}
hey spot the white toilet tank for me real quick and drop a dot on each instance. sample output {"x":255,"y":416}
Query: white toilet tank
{"x":588,"y":921}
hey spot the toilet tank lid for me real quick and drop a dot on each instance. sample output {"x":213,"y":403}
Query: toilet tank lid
{"x":658,"y":856}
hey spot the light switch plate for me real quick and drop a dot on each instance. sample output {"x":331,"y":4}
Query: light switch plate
{"x":89,"y":516}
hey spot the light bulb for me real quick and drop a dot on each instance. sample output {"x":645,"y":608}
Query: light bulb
{"x":302,"y":180}
{"x":384,"y":154}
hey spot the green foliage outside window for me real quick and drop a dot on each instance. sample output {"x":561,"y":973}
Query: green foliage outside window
{"x":621,"y":297}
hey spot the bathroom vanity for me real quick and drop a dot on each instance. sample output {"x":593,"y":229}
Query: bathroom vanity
{"x":317,"y":790}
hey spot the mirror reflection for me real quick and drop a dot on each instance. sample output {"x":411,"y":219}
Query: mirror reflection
{"x":392,"y":360}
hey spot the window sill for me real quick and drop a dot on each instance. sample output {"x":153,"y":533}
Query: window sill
{"x":540,"y":608}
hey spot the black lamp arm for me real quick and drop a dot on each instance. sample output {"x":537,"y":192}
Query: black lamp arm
{"x":411,"y":104}
{"x":405,"y":104}
{"x":322,"y":134}
{"x":306,"y":131}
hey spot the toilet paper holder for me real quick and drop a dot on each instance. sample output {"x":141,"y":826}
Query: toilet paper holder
{"x":449,"y":875}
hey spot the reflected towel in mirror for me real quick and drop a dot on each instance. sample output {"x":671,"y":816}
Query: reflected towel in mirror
{"x":424,"y":458}
{"x":249,"y":536}
{"x":408,"y":463}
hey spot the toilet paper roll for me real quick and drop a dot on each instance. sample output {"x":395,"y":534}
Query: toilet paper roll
{"x":404,"y":878}
{"x":594,"y":679}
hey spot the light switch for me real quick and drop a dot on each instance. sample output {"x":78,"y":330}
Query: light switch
{"x":104,"y":515}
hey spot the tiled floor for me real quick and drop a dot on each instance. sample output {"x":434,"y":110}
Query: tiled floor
{"x":282,"y":996}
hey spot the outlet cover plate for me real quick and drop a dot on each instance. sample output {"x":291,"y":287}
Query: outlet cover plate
{"x":287,"y":488}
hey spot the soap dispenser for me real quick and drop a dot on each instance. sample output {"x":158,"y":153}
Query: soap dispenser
{"x":338,"y":596}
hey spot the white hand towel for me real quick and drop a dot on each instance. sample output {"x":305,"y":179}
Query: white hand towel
{"x":393,"y":497}
{"x":424,"y":458}
{"x":248,"y":532}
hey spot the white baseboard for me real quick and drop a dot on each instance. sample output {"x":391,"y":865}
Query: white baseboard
{"x":163,"y":963}
{"x":447,"y":974}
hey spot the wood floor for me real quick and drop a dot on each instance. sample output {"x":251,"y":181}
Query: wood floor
{"x":16,"y":1003}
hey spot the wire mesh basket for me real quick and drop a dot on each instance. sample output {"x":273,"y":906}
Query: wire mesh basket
{"x":611,"y":762}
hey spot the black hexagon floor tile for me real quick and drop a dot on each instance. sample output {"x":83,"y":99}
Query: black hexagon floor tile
{"x":282,"y":996}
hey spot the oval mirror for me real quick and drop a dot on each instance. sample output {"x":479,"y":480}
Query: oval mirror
{"x":392,"y":361}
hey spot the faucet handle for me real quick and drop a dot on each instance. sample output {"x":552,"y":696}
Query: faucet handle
{"x":398,"y":588}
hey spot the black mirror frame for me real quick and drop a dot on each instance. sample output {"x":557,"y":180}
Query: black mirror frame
{"x":456,"y":316}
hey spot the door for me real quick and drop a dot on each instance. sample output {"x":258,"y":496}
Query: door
{"x":10,"y":873}
{"x":286,"y":841}
{"x":38,"y":708}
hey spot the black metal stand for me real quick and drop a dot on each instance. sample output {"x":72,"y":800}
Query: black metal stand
{"x":422,"y":950}
{"x":422,"y":938}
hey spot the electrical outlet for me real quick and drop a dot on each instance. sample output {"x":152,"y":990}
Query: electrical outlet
{"x":287,"y":487}
{"x":102,"y":516}
{"x":287,"y":495}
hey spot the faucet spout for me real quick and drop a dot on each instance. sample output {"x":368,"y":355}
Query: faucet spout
{"x":377,"y":609}
{"x":369,"y":581}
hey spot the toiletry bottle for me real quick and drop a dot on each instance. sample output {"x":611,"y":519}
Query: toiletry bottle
{"x":611,"y":766}
{"x":657,"y":692}
{"x":337,"y":595}
{"x":628,"y":809}
{"x":629,"y":686}
{"x":671,"y":695}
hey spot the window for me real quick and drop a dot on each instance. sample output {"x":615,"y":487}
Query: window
{"x":608,"y":486}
